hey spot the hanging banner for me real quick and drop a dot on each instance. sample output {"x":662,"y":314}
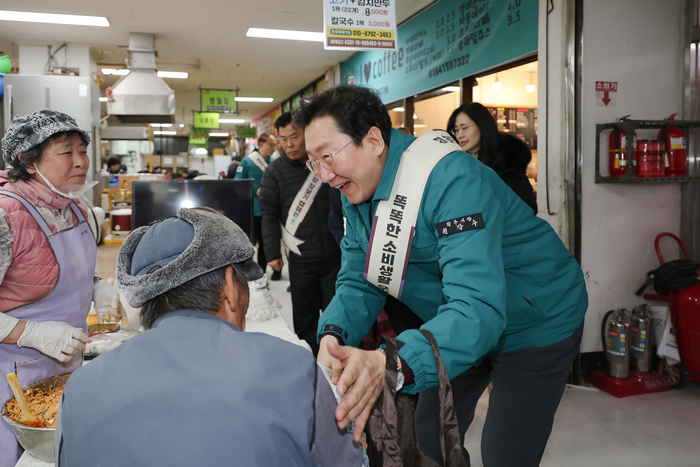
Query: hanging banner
{"x":215,"y":100}
{"x":246,"y":132}
{"x":199,"y":136}
{"x":450,"y":40}
{"x":206,"y":120}
{"x":359,"y":24}
{"x":266,"y":122}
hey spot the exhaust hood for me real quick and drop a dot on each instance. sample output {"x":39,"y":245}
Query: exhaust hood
{"x":141,"y":97}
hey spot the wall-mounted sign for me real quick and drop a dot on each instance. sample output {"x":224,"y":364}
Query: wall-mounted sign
{"x":359,"y":24}
{"x":606,"y":94}
{"x":450,"y":40}
{"x":266,"y":122}
{"x":518,"y":122}
{"x":246,"y":132}
{"x":215,"y":100}
{"x":206,"y":120}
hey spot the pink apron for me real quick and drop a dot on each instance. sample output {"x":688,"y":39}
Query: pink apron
{"x":69,"y":302}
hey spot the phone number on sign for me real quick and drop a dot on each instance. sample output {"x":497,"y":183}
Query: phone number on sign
{"x":449,"y":65}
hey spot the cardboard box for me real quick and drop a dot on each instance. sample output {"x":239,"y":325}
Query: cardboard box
{"x":217,"y":152}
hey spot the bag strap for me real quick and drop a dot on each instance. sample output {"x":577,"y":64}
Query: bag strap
{"x":450,"y":442}
{"x":391,"y":423}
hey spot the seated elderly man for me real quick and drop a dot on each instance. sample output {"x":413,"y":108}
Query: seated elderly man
{"x":194,"y":389}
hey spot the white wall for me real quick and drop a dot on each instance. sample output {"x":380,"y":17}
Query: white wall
{"x":33,"y":58}
{"x":638,"y":44}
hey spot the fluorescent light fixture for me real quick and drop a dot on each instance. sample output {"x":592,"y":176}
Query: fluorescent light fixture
{"x":173,"y":74}
{"x":398,"y":109}
{"x":115,"y":71}
{"x":231,"y":120}
{"x":103,"y":99}
{"x":451,"y":89}
{"x":181,"y":125}
{"x":201,"y":151}
{"x":76,"y":20}
{"x":286,"y":34}
{"x":162,"y":125}
{"x":165,"y":132}
{"x":218,"y":134}
{"x":254,"y":99}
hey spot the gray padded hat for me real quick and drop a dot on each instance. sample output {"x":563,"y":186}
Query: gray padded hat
{"x":28,"y":131}
{"x":158,"y":257}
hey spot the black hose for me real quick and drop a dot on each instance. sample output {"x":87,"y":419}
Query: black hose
{"x":675,"y":275}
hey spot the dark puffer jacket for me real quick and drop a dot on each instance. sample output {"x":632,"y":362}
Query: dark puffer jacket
{"x":513,"y":168}
{"x":279,"y":186}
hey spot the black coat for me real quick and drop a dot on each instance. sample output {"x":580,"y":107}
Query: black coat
{"x":512,"y":168}
{"x":280,"y":184}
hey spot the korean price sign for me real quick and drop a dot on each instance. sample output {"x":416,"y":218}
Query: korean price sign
{"x":359,"y":24}
{"x":218,"y":101}
{"x":246,"y":132}
{"x":206,"y":120}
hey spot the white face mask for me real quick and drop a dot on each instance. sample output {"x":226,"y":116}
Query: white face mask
{"x":69,"y":191}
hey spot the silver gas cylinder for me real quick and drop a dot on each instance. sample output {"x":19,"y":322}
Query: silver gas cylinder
{"x":617,"y":355}
{"x":640,"y":338}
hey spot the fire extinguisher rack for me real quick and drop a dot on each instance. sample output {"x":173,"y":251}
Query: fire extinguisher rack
{"x":629,"y":126}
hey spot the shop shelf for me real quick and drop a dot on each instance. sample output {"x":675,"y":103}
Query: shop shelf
{"x":630,"y":126}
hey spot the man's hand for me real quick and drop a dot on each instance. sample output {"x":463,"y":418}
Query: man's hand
{"x":360,"y":384}
{"x":276,"y":265}
{"x":325,"y":359}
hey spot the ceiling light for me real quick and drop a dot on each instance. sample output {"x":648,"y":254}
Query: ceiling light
{"x":254,"y":99}
{"x":166,"y":132}
{"x":231,"y":120}
{"x":115,"y":71}
{"x":201,"y":151}
{"x":398,"y":109}
{"x":285,"y":34}
{"x":451,"y":89}
{"x":103,"y":99}
{"x":496,"y":85}
{"x":181,"y":125}
{"x":75,"y":20}
{"x":173,"y":74}
{"x":530,"y":87}
{"x":162,"y":125}
{"x":218,"y":134}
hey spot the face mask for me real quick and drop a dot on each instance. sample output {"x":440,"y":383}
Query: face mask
{"x":69,"y":191}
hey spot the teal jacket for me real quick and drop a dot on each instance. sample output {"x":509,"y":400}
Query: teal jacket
{"x":507,"y":286}
{"x":248,"y":169}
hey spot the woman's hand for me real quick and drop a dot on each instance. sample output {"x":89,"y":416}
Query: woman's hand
{"x":53,"y":338}
{"x":360,"y":384}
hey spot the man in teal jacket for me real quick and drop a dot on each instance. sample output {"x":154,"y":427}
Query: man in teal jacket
{"x":501,"y":294}
{"x":253,"y":166}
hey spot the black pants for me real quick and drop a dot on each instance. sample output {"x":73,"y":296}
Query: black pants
{"x":262,"y":260}
{"x":527,"y":388}
{"x":313,"y":287}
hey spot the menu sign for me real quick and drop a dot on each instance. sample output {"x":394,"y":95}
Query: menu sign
{"x":450,"y":40}
{"x":518,"y":122}
{"x":359,"y":24}
{"x":206,"y":120}
{"x":215,"y":100}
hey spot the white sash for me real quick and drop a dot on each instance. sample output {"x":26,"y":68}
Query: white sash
{"x":258,"y":160}
{"x":298,"y":210}
{"x":395,"y":219}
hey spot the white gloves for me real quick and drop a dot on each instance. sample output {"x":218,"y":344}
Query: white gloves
{"x":53,"y":338}
{"x":107,"y":304}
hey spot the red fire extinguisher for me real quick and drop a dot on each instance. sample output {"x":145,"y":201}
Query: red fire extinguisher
{"x":676,"y":155}
{"x":618,"y":152}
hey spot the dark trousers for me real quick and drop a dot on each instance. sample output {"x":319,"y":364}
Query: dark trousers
{"x":262,"y":260}
{"x":527,"y":388}
{"x":313,"y":287}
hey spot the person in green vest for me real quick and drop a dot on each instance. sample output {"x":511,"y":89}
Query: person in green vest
{"x":493,"y":283}
{"x":253,"y":166}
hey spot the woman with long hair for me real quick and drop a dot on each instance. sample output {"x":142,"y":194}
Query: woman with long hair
{"x":475,"y":130}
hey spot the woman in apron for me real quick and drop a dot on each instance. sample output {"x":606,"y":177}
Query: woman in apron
{"x":47,"y":256}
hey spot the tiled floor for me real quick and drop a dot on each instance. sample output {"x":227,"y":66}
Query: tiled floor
{"x":591,"y":428}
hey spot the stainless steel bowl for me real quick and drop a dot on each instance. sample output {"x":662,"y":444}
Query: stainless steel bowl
{"x":36,"y":441}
